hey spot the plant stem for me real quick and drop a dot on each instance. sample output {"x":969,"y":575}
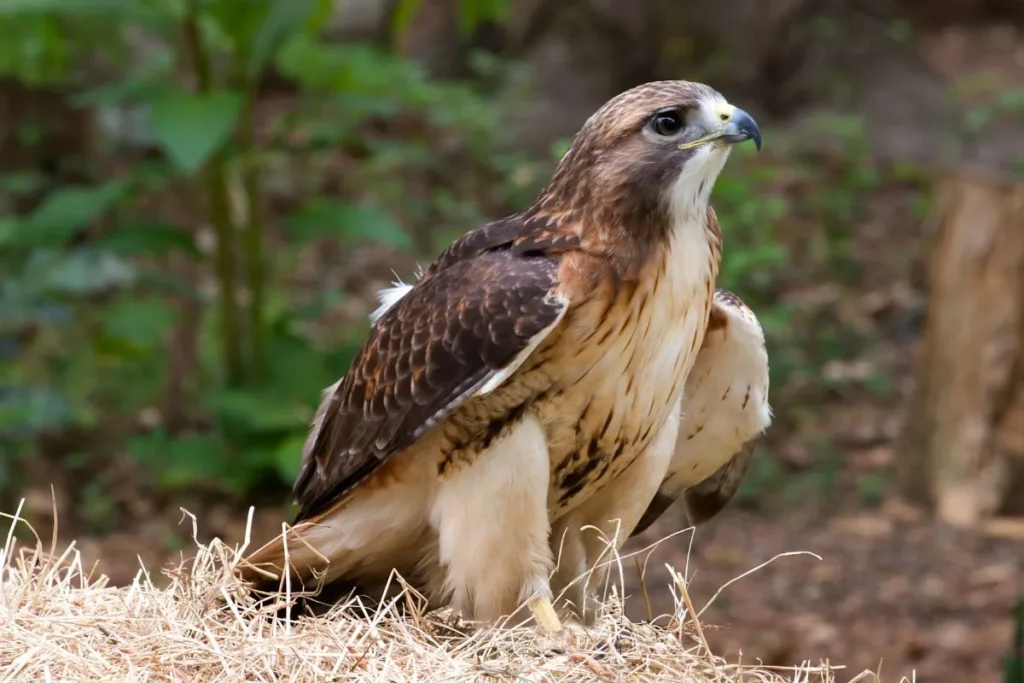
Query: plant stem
{"x":253,"y":239}
{"x":220,"y":211}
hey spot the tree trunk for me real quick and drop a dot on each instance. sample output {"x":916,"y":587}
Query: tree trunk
{"x":965,"y":431}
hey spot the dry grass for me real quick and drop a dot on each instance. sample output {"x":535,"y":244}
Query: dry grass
{"x":59,"y":623}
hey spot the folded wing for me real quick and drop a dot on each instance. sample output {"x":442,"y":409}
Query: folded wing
{"x":456,"y":332}
{"x":725,"y":408}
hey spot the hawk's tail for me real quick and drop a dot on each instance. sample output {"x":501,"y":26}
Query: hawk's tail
{"x":265,"y":568}
{"x":309,"y":586}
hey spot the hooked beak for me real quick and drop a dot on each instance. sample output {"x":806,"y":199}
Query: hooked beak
{"x":741,"y":126}
{"x":731,"y":125}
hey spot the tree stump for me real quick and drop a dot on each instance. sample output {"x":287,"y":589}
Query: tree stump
{"x":965,"y":431}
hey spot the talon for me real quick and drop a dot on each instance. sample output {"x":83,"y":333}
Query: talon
{"x":544,"y":612}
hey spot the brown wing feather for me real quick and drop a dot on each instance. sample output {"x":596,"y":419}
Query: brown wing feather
{"x":454,"y":330}
{"x":706,"y":499}
{"x":524,"y":234}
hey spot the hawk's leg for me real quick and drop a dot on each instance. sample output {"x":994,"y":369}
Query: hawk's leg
{"x":569,"y":582}
{"x":611,"y":514}
{"x":491,"y":518}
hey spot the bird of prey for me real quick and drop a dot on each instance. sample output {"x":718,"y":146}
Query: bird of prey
{"x":724,"y":409}
{"x":538,"y":361}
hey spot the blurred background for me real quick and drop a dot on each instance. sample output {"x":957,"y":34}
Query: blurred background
{"x":200,"y":198}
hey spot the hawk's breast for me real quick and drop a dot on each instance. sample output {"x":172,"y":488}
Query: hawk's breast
{"x":621,"y":365}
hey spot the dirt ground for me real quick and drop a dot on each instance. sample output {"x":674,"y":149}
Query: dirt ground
{"x":892,"y":591}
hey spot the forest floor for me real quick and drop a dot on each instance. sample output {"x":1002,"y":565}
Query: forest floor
{"x":892,"y":589}
{"x":892,"y":592}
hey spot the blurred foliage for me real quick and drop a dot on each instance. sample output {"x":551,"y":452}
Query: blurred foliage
{"x":206,"y":245}
{"x":94,"y":288}
{"x":1014,"y":670}
{"x":788,"y":224}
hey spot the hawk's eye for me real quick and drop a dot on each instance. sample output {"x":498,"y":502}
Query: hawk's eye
{"x":667,"y":123}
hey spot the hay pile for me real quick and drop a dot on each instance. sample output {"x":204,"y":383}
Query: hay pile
{"x":57,"y":623}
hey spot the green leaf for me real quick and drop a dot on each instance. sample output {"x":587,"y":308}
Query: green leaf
{"x":135,"y":238}
{"x":86,"y":272}
{"x":183,"y":461}
{"x":23,"y":182}
{"x":260,"y":411}
{"x":232,"y":23}
{"x":1014,"y":671}
{"x":352,"y":222}
{"x":136,"y":87}
{"x":32,"y":409}
{"x":403,"y":14}
{"x":190,"y":127}
{"x":66,"y":211}
{"x":288,"y":456}
{"x":142,"y":324}
{"x":473,"y":13}
{"x":22,"y":305}
{"x":355,"y":72}
{"x":127,"y":11}
{"x":299,"y":372}
{"x":149,"y":449}
{"x":283,"y":18}
{"x":9,"y":229}
{"x":192,"y":458}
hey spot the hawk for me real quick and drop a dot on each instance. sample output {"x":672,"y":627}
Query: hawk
{"x":724,"y":408}
{"x":538,"y":361}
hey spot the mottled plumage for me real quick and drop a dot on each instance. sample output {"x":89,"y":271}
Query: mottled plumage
{"x":725,"y":408}
{"x":448,"y":342}
{"x":537,"y":363}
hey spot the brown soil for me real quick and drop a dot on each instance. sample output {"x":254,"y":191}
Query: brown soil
{"x":891,"y":592}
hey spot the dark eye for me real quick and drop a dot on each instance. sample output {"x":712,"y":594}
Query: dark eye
{"x":667,"y":123}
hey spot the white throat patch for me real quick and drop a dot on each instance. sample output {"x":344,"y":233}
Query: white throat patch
{"x":690,"y":195}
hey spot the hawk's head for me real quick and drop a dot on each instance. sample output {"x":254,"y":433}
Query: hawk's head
{"x":648,"y":157}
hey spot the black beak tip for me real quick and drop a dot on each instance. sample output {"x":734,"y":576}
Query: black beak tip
{"x":746,"y":128}
{"x":749,"y":128}
{"x":756,"y":137}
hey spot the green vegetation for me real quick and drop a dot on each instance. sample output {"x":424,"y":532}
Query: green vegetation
{"x":174,"y":294}
{"x":1014,"y":671}
{"x":183,"y":251}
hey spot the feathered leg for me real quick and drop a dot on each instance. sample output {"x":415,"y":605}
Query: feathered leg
{"x":491,"y":517}
{"x":355,"y":545}
{"x":613,"y":512}
{"x":570,"y":581}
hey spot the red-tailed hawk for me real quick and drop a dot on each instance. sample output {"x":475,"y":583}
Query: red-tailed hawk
{"x":724,"y":408}
{"x":537,"y":362}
